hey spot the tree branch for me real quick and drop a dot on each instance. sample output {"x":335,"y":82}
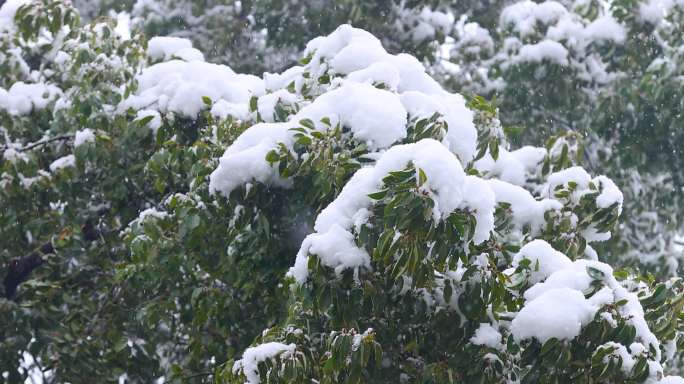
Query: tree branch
{"x":41,"y":142}
{"x":19,"y":268}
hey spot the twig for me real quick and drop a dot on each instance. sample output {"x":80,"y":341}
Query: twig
{"x":184,"y":379}
{"x":18,"y":269}
{"x":41,"y":142}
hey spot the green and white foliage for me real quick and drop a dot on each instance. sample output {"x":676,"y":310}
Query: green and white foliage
{"x":264,"y":35}
{"x":610,"y":71}
{"x":344,"y":220}
{"x":433,"y":261}
{"x":68,"y":183}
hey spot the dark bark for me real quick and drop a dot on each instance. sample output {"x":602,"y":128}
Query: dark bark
{"x":19,"y":268}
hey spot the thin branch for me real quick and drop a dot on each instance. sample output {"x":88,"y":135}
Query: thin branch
{"x":19,"y":268}
{"x":41,"y":142}
{"x":184,"y":379}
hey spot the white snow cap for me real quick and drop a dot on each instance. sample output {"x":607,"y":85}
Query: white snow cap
{"x":672,"y":380}
{"x":609,"y":193}
{"x":249,"y":364}
{"x":446,"y":183}
{"x":375,"y":116}
{"x":556,"y":307}
{"x":544,"y":50}
{"x":559,"y":313}
{"x":166,"y":47}
{"x":68,"y":161}
{"x":84,"y":136}
{"x":524,"y":16}
{"x":22,"y":98}
{"x":544,"y":260}
{"x":360,"y":55}
{"x":7,"y":12}
{"x":178,"y":86}
{"x":488,"y":336}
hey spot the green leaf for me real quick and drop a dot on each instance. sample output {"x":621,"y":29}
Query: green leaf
{"x":422,"y":178}
{"x":307,"y":123}
{"x":378,"y":195}
{"x":494,"y":148}
{"x":120,"y":344}
{"x":143,"y":122}
{"x":253,"y":104}
{"x":621,"y":274}
{"x":549,"y":345}
{"x":272,"y":156}
{"x":595,"y":274}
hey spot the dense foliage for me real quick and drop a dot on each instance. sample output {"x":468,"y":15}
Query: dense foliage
{"x":345,"y":219}
{"x":615,"y":78}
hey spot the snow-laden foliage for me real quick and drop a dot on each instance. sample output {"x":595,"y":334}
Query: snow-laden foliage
{"x":268,"y":35}
{"x":611,"y":71}
{"x":344,"y":220}
{"x":420,"y":237}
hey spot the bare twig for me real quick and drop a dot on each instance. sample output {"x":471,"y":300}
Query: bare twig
{"x":185,"y":379}
{"x":41,"y":142}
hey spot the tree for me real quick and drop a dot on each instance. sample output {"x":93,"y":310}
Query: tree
{"x":608,"y":72}
{"x":154,"y":203}
{"x":590,"y":86}
{"x":421,"y":269}
{"x":265,"y":35}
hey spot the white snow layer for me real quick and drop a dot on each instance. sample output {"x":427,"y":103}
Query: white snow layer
{"x":375,"y":116}
{"x":559,"y":313}
{"x":7,"y":12}
{"x":249,"y":364}
{"x":166,"y":48}
{"x":348,"y":50}
{"x":544,"y":50}
{"x":22,"y":98}
{"x":63,"y":162}
{"x":83,"y":136}
{"x":178,"y":86}
{"x":556,"y":305}
{"x":488,"y":336}
{"x":544,"y":260}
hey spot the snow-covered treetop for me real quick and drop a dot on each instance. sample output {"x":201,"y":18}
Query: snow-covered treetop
{"x":426,"y":247}
{"x":417,"y":162}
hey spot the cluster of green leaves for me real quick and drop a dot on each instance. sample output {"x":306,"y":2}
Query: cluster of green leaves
{"x":629,"y":120}
{"x":490,"y":135}
{"x":412,"y":256}
{"x":71,"y":317}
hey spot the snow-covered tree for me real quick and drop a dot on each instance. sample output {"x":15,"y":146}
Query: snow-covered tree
{"x":610,"y":71}
{"x":255,"y":36}
{"x":344,"y":220}
{"x":448,"y":257}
